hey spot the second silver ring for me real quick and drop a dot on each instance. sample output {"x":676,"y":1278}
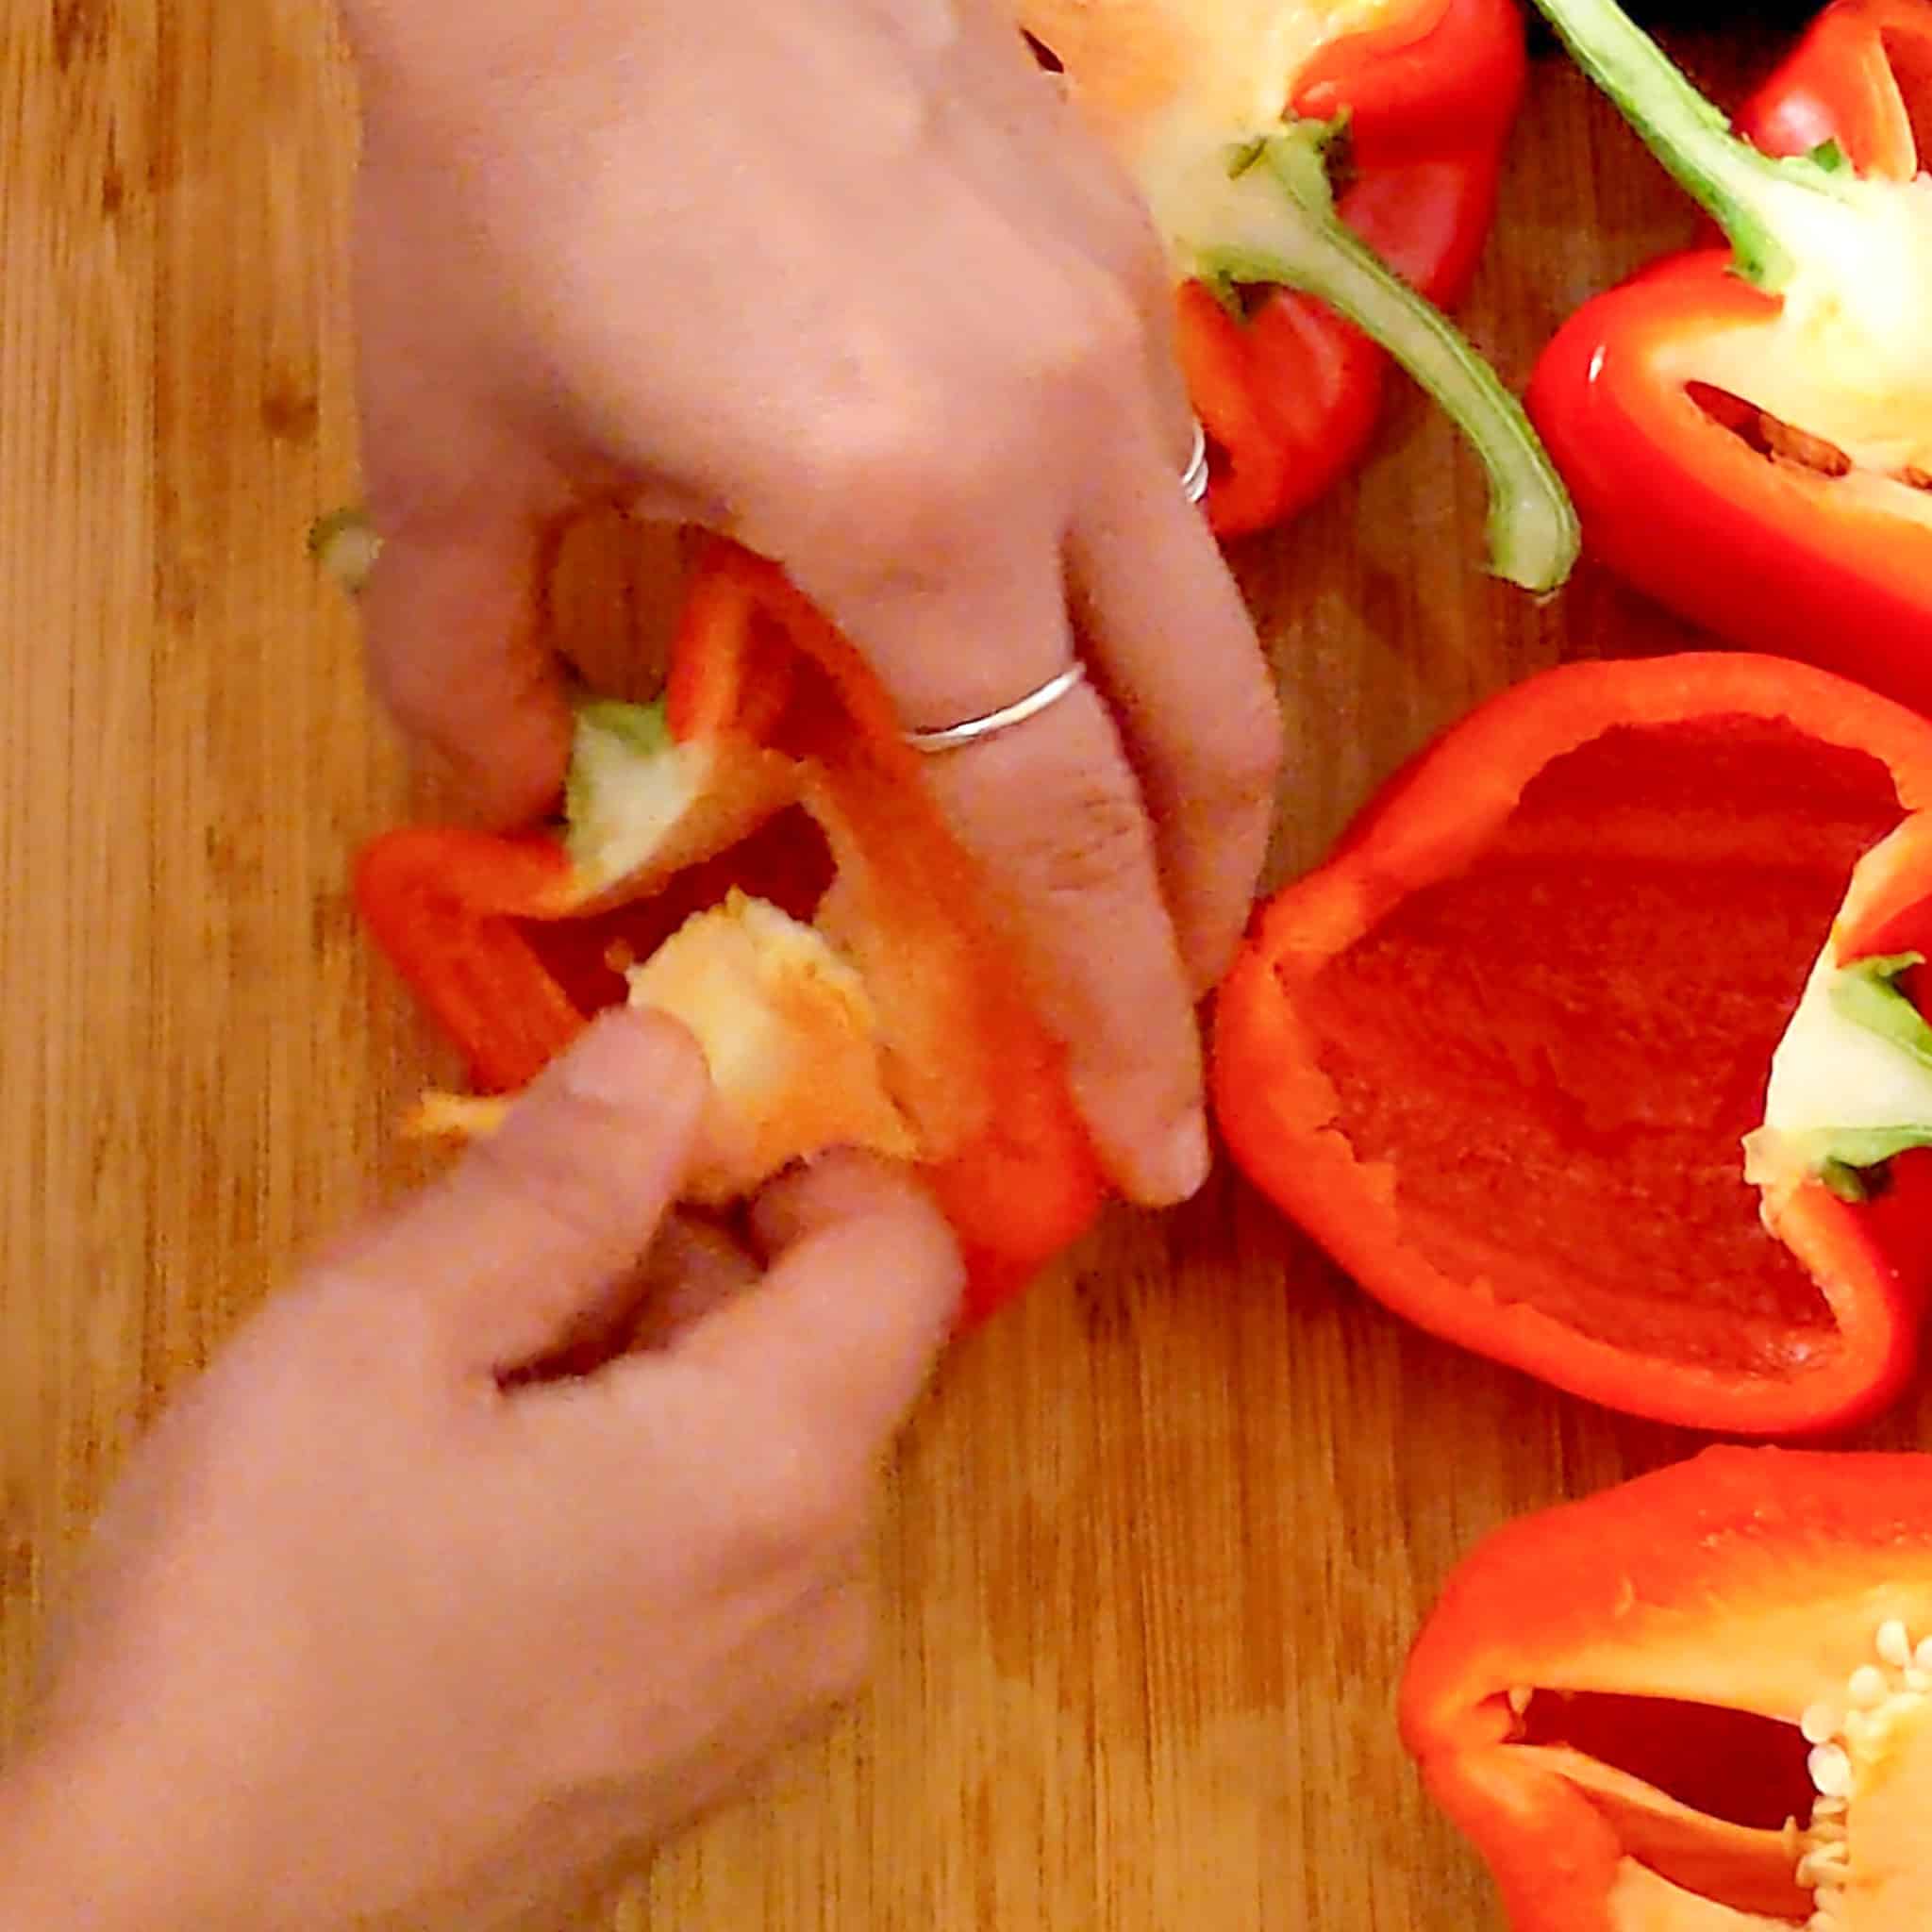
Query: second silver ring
{"x":1194,"y":477}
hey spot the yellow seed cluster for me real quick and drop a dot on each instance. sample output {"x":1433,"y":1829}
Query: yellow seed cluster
{"x":1843,"y":1735}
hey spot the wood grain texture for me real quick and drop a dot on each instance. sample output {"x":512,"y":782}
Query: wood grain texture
{"x":1156,"y":1545}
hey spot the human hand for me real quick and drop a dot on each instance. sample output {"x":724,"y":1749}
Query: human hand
{"x":845,"y":280}
{"x":381,"y":1630}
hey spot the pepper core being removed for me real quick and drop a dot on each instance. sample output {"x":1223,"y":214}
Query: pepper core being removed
{"x":758,"y":857}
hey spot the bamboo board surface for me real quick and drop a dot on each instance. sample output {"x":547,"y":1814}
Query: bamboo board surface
{"x":1159,"y":1540}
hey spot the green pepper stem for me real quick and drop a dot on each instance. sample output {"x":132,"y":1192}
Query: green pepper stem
{"x":1283,"y":211}
{"x":1750,"y":195}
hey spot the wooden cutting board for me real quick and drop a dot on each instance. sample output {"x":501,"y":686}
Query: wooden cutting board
{"x":1157,"y":1542}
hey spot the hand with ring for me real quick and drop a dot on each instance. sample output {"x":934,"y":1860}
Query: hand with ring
{"x":845,"y":280}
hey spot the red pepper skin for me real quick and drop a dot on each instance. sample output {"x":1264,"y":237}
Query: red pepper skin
{"x":1758,"y":550}
{"x":1745,"y":1580}
{"x":443,"y":904}
{"x":1850,"y":80}
{"x":1290,"y":396}
{"x":1479,"y":1053}
{"x":482,"y":930}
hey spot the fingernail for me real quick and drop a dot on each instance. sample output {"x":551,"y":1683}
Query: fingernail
{"x":1183,"y":1164}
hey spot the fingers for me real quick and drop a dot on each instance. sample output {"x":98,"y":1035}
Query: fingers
{"x":518,"y":1251}
{"x":1052,"y":811}
{"x":1105,"y":217}
{"x":693,"y":1268}
{"x":461,"y":493}
{"x":858,"y":1296}
{"x":1176,"y":654}
{"x":456,"y":655}
{"x":844,"y":1185}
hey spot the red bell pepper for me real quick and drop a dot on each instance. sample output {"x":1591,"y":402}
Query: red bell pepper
{"x":508,"y":942}
{"x":1701,"y":1702}
{"x":1748,"y":433}
{"x":1227,"y":117}
{"x":1499,"y":1055}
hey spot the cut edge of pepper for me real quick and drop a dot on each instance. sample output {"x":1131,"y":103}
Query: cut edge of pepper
{"x":1754,"y":1584}
{"x":1423,"y":825}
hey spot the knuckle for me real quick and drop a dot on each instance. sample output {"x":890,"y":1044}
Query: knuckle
{"x":1246,"y":754}
{"x":836,"y":1660}
{"x":408,"y":681}
{"x":569,"y":1176}
{"x":906,"y":469}
{"x":1135,"y":257}
{"x":1115,"y":332}
{"x":802,"y":1508}
{"x":897,"y":437}
{"x":1083,"y":349}
{"x":928,"y":475}
{"x":1091,"y":838}
{"x":1146,"y":273}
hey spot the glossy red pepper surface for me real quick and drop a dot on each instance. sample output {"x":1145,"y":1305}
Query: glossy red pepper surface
{"x":1670,"y":471}
{"x":1291,"y":395}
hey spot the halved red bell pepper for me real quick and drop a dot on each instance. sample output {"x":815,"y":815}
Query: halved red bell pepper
{"x":1500,"y":1052}
{"x":1289,"y":297}
{"x":507,"y":941}
{"x":1748,"y":433}
{"x":1701,"y":1702}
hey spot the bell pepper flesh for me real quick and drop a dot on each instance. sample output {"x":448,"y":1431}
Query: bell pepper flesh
{"x":1498,"y":1055}
{"x":1695,"y":1703}
{"x":1748,"y":435}
{"x":1225,"y":116}
{"x":507,"y":947}
{"x":471,"y":921}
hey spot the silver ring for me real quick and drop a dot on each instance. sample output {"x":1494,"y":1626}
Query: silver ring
{"x":1194,"y":477}
{"x":969,"y":730}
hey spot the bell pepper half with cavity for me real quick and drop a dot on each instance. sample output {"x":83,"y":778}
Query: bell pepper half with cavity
{"x":1701,"y":1702}
{"x":1502,"y":1053}
{"x":1748,"y":432}
{"x":1229,"y":117}
{"x":758,"y":856}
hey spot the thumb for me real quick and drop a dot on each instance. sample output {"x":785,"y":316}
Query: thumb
{"x":524,"y":1247}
